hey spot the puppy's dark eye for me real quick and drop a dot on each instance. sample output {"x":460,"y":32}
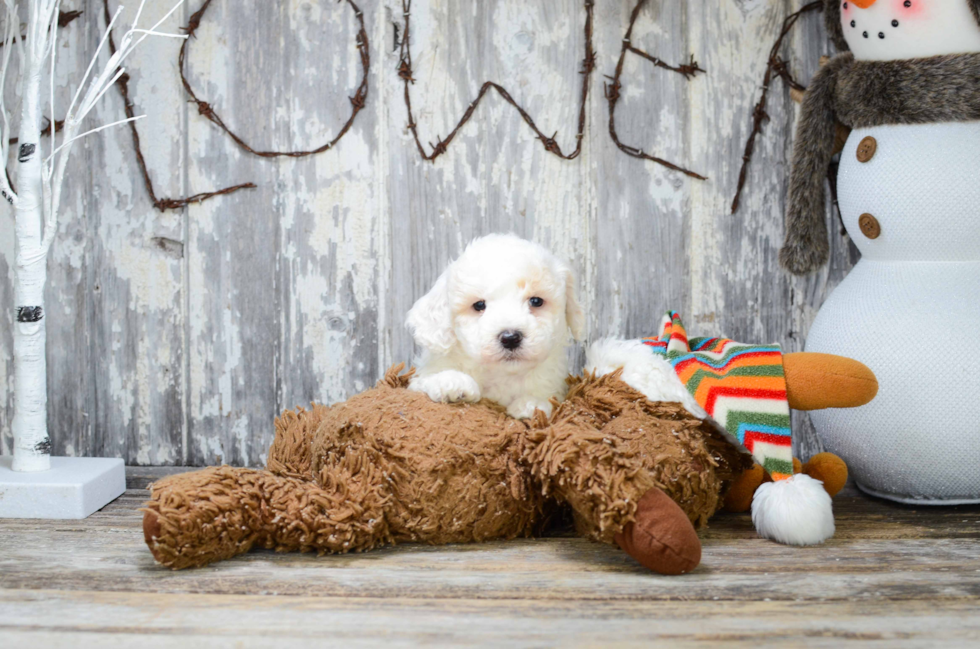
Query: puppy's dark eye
{"x":536,"y":302}
{"x":480,"y":306}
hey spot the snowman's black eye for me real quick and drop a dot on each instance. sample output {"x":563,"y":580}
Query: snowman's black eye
{"x":845,"y":5}
{"x":907,"y":3}
{"x":894,"y":23}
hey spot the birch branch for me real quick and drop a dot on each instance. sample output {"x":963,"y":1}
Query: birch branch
{"x":10,"y":24}
{"x":84,"y":101}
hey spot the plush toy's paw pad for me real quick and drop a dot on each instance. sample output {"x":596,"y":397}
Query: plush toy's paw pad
{"x":817,"y":381}
{"x":739,"y":496}
{"x":661,"y":538}
{"x":828,"y":469}
{"x":794,"y":511}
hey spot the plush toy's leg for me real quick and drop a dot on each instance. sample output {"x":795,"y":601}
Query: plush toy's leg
{"x":817,"y":381}
{"x":662,"y":537}
{"x":196,"y":518}
{"x":739,"y":496}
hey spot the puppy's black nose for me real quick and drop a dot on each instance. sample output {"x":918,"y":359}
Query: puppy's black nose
{"x":511,"y":339}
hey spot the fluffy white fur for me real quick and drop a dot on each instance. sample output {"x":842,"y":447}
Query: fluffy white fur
{"x":794,"y":511}
{"x":465,"y":358}
{"x":643,"y":370}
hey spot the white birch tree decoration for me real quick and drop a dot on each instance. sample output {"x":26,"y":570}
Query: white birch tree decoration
{"x":36,"y":196}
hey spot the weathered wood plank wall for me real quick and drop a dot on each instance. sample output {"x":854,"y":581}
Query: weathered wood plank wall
{"x":174,"y":338}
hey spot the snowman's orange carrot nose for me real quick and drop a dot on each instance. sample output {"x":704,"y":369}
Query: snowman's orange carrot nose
{"x":864,"y":4}
{"x":816,"y":381}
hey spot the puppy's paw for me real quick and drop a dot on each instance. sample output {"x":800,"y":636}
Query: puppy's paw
{"x":524,"y":408}
{"x":449,"y":386}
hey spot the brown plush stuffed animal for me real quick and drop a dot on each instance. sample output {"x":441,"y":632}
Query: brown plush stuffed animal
{"x":390,"y":466}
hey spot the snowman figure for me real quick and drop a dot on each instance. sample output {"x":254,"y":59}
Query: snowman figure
{"x":908,"y":85}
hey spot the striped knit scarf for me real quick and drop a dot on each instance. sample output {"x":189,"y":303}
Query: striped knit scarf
{"x":742,"y":387}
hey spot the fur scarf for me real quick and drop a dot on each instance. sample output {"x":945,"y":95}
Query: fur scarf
{"x":861,"y":94}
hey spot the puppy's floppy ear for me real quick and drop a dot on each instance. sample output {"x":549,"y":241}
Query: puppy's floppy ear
{"x":574,"y":315}
{"x":430,"y":318}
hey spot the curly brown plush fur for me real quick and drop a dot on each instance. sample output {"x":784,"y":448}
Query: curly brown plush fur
{"x":861,"y":94}
{"x":386,"y":466}
{"x":389,"y":466}
{"x":608,"y":446}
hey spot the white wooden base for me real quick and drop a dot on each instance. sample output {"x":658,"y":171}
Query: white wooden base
{"x":74,"y":487}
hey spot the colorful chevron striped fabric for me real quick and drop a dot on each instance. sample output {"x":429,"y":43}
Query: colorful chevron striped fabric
{"x":742,"y":387}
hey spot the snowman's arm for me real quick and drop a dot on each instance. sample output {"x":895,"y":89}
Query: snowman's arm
{"x":806,"y":247}
{"x":818,"y":381}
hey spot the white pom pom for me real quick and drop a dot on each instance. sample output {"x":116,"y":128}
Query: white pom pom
{"x":795,"y":511}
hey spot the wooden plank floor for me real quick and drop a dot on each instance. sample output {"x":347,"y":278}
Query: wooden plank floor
{"x":892,"y":576}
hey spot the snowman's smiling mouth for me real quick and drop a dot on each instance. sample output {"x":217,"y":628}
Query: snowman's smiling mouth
{"x":864,"y":4}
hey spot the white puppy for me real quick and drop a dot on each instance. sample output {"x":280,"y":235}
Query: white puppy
{"x":496,"y":325}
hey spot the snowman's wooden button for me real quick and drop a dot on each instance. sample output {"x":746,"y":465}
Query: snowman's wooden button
{"x":866,"y":149}
{"x":869,"y":226}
